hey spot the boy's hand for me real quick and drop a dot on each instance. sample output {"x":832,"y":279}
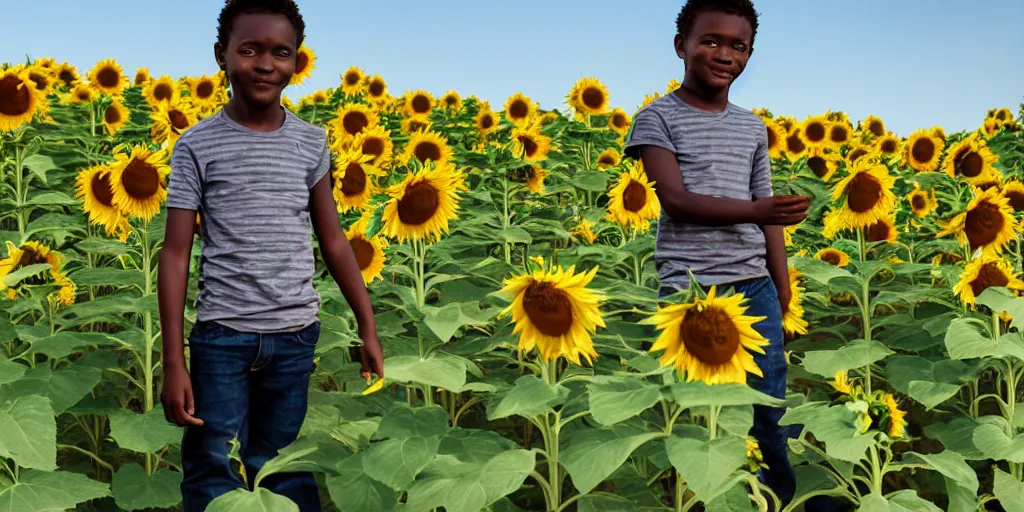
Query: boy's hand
{"x":784,"y":297}
{"x":176,"y":397}
{"x":781,"y":210}
{"x":372,"y":356}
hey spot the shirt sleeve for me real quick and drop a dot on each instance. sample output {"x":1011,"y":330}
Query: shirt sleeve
{"x":323,"y":166}
{"x":761,"y":174}
{"x":184,"y":188}
{"x":649,"y":129}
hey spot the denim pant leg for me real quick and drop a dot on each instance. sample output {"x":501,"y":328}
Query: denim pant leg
{"x":278,"y":399}
{"x":762,"y":299}
{"x":219,"y":361}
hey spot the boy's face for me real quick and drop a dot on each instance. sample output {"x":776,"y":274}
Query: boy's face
{"x":717,"y":49}
{"x":260,"y":57}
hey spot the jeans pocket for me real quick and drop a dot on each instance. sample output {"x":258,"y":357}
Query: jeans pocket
{"x":309,"y":336}
{"x":203,"y":331}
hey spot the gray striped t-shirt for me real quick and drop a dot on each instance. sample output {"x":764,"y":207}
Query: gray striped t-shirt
{"x":721,"y":154}
{"x":252,"y":190}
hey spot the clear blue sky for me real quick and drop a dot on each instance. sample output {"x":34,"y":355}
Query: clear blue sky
{"x":915,"y":63}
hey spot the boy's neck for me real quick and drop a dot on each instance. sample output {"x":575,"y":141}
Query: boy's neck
{"x":260,"y":119}
{"x":700,"y":96}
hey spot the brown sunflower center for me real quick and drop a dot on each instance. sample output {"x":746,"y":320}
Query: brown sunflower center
{"x":548,"y":308}
{"x":839,"y":134}
{"x":301,"y":63}
{"x":67,"y":76}
{"x":606,"y":159}
{"x":795,"y":145}
{"x":354,"y":182}
{"x":863,"y":193}
{"x":108,"y":77}
{"x":15,"y":100}
{"x":918,"y":201}
{"x":205,"y":89}
{"x":83,"y":95}
{"x":354,"y":122}
{"x":876,"y":128}
{"x":854,"y":155}
{"x":40,"y":79}
{"x":373,"y":146}
{"x":487,"y":121}
{"x":634,"y":197}
{"x":102,"y":190}
{"x":983,"y":224}
{"x":815,"y":132}
{"x":888,"y":146}
{"x":969,"y":164}
{"x":418,"y":204}
{"x":427,"y":150}
{"x":710,"y":335}
{"x":988,"y":275}
{"x":1001,"y":115}
{"x":923,"y":150}
{"x":363,"y":251}
{"x":818,"y":165}
{"x":1016,"y":198}
{"x":451,"y":101}
{"x":140,"y":179}
{"x":416,"y":125}
{"x":592,"y":97}
{"x":178,"y":120}
{"x":112,"y":115}
{"x":376,"y":88}
{"x":163,"y":91}
{"x":773,"y":139}
{"x":518,"y":109}
{"x":421,"y":104}
{"x":29,"y":256}
{"x":831,"y":257}
{"x":877,"y":232}
{"x":530,"y":146}
{"x":352,"y":78}
{"x":620,"y":121}
{"x":140,"y":78}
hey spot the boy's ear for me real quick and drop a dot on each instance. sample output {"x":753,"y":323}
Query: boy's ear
{"x":218,"y":54}
{"x":680,"y":44}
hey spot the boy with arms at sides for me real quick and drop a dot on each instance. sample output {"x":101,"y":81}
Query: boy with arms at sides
{"x":720,"y":220}
{"x":259,"y":175}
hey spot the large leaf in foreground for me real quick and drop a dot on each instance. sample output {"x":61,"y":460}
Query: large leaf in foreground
{"x":469,"y":486}
{"x":40,"y":491}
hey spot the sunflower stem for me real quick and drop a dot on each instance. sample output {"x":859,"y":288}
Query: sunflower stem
{"x":713,"y":422}
{"x":19,"y":194}
{"x":147,"y":319}
{"x":92,"y":118}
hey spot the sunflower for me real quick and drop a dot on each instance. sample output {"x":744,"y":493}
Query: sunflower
{"x":982,"y":273}
{"x":988,"y":223}
{"x":554,"y":311}
{"x":608,"y":158}
{"x":648,"y":99}
{"x":814,"y":131}
{"x":897,"y":423}
{"x":376,"y":142}
{"x":305,"y":61}
{"x":873,"y":126}
{"x":632,"y":202}
{"x":859,"y":151}
{"x":530,"y":144}
{"x":519,"y":109}
{"x":318,"y":97}
{"x":376,"y":90}
{"x":923,"y":151}
{"x":708,"y":339}
{"x":81,"y":93}
{"x":841,"y":383}
{"x":972,"y":160}
{"x":839,"y":133}
{"x":889,"y":145}
{"x":93,"y":187}
{"x":486,"y":120}
{"x":115,"y":117}
{"x":160,"y":91}
{"x":796,"y":146}
{"x":883,"y":230}
{"x":427,"y":146}
{"x":35,"y":253}
{"x":19,"y":99}
{"x":418,"y":103}
{"x":922,"y":202}
{"x":535,"y":181}
{"x":834,"y":257}
{"x":1013,"y":191}
{"x":588,"y":97}
{"x":451,"y":101}
{"x":205,"y":92}
{"x":674,"y":84}
{"x":788,"y":232}
{"x":776,"y":139}
{"x":411,"y":125}
{"x":67,"y":75}
{"x":43,"y":79}
{"x":352,"y":119}
{"x":823,"y":162}
{"x":369,"y":252}
{"x":107,"y":76}
{"x":793,"y":322}
{"x":170,"y":120}
{"x":619,"y":121}
{"x":585,"y":230}
{"x":354,"y":180}
{"x":353,"y":80}
{"x":867,"y":197}
{"x":423,"y":204}
{"x":139,"y":181}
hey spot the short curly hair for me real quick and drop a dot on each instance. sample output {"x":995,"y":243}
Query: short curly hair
{"x":235,"y":8}
{"x":745,"y":8}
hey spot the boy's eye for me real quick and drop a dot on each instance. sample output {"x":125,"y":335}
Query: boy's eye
{"x":246,"y":51}
{"x":740,"y":47}
{"x":710,"y":42}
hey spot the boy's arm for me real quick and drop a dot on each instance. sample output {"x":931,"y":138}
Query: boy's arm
{"x":778,"y":263}
{"x":341,"y":263}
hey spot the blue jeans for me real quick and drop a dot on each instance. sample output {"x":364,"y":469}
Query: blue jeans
{"x":254,"y":386}
{"x":762,"y":299}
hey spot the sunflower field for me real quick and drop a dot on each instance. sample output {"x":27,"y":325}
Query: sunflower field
{"x":530,"y":365}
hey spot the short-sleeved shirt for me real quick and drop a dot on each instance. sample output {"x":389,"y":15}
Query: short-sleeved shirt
{"x":252,"y":191}
{"x":720,"y":154}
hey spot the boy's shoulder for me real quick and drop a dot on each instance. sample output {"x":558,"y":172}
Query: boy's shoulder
{"x":210,"y":129}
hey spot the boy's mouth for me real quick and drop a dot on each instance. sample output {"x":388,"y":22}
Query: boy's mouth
{"x":263,"y":84}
